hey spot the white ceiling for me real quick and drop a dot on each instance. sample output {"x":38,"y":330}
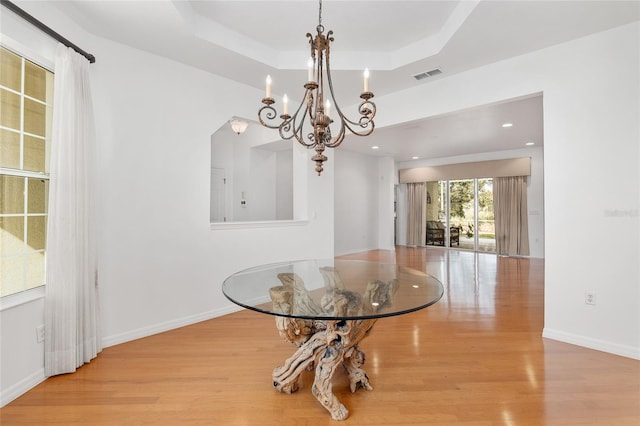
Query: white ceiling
{"x":246,"y":40}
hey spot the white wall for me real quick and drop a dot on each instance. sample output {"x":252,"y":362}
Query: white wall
{"x":21,"y":357}
{"x":592,"y":160}
{"x":161,"y":265}
{"x":591,"y":163}
{"x":284,"y":185}
{"x":387,"y":179}
{"x":535,"y":196}
{"x":261,"y":192}
{"x":364,"y":196}
{"x":356,"y":201}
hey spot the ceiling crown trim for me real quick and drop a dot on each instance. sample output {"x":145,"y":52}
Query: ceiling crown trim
{"x":213,"y":32}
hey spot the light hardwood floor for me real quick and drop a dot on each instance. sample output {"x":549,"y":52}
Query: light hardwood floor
{"x":475,"y":358}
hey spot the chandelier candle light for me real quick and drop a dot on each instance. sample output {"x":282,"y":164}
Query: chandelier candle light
{"x":310,"y":123}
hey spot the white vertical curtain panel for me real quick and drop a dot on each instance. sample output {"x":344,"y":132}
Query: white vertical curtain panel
{"x":71,"y":299}
{"x":417,"y":214}
{"x":511,"y":215}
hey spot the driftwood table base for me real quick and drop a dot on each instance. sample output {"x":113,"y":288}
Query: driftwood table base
{"x":325,"y":344}
{"x":336,"y":343}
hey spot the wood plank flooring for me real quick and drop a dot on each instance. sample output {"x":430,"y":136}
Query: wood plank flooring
{"x":475,"y":358}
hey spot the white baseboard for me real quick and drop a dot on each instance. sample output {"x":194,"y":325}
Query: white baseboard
{"x":389,"y":248}
{"x":591,"y":343}
{"x":24,"y":385}
{"x":360,"y":250}
{"x":166,"y":326}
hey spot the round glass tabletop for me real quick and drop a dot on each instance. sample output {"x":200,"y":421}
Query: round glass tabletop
{"x":332,"y":289}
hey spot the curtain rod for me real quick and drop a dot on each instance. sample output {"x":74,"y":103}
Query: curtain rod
{"x":42,"y":27}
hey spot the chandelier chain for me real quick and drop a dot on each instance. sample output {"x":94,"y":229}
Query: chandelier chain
{"x":320,"y":27}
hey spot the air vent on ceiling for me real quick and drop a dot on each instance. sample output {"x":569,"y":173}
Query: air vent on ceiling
{"x":429,"y":73}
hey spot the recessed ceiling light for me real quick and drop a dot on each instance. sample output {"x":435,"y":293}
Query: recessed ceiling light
{"x":530,"y":143}
{"x":507,"y":125}
{"x":414,"y":157}
{"x":375,"y":147}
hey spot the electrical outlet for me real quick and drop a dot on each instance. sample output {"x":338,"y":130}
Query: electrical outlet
{"x":40,"y":334}
{"x":590,"y":298}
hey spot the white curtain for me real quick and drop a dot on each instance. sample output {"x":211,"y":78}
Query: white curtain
{"x":417,"y":214}
{"x":71,"y":303}
{"x":511,"y":215}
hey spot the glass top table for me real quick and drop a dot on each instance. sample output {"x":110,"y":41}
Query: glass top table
{"x":325,"y":308}
{"x":332,"y":289}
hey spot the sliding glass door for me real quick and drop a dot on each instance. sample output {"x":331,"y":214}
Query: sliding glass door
{"x":460,"y":214}
{"x":462,"y":211}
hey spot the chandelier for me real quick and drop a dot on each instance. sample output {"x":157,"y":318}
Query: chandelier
{"x":311,"y":122}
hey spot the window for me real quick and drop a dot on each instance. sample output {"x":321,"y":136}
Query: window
{"x":26,"y":95}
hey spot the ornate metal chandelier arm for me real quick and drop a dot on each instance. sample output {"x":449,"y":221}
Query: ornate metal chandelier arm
{"x":269,"y":113}
{"x":299,"y":122}
{"x":298,"y":132}
{"x":366,"y":109}
{"x":287,"y":128}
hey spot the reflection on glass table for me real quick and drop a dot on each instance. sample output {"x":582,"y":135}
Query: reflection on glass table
{"x":325,"y":308}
